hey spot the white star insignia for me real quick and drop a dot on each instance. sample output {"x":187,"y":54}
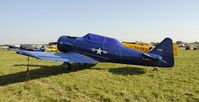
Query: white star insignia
{"x":99,"y":51}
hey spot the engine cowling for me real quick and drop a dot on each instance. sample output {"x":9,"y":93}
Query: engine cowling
{"x":65,"y":43}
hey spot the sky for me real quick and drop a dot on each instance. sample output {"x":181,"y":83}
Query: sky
{"x":43,"y":21}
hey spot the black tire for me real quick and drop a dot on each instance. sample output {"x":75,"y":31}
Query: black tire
{"x":66,"y":66}
{"x":155,"y":69}
{"x":82,"y":64}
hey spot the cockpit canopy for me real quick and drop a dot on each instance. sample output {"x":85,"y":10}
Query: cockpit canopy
{"x":98,"y":39}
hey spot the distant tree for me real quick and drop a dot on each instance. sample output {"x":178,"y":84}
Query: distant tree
{"x":179,"y":42}
{"x":196,"y":42}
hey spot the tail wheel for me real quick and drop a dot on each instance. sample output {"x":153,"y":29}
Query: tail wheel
{"x":155,"y":69}
{"x":66,"y":66}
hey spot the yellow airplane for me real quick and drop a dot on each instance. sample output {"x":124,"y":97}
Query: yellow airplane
{"x":51,"y":48}
{"x":145,"y":47}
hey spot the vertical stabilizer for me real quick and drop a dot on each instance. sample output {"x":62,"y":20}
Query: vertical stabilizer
{"x":165,"y":49}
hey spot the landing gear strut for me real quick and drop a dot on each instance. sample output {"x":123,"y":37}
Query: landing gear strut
{"x":66,"y":66}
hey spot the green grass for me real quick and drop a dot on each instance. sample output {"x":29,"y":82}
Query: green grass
{"x":103,"y":82}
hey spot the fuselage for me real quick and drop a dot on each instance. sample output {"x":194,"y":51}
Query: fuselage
{"x":107,"y":50}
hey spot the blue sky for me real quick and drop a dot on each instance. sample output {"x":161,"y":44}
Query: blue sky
{"x":42,"y":21}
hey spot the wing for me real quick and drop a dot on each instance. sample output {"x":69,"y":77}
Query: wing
{"x":59,"y":56}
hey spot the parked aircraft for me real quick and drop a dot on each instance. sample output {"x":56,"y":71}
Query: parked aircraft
{"x":13,"y":47}
{"x":146,"y":47}
{"x":93,"y":48}
{"x":192,"y":46}
{"x":138,"y":46}
{"x":52,"y":47}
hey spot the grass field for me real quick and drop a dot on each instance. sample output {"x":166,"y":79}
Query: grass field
{"x":103,"y":82}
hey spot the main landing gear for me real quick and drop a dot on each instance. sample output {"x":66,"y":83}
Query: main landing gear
{"x":82,"y":64}
{"x":66,"y":66}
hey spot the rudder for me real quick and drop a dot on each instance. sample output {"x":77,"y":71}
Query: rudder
{"x":165,"y":49}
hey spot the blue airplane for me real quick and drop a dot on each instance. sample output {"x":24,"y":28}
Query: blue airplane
{"x":93,"y":48}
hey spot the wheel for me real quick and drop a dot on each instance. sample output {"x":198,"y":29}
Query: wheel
{"x":155,"y":69}
{"x":82,"y":64}
{"x":66,"y":66}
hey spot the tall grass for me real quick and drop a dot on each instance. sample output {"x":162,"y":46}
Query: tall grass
{"x":103,"y":82}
